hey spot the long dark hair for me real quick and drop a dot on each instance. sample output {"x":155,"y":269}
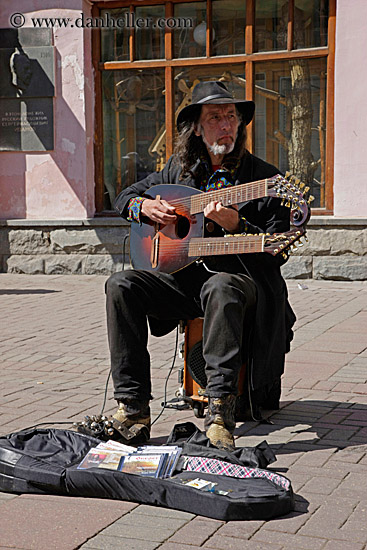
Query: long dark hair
{"x":189,"y":147}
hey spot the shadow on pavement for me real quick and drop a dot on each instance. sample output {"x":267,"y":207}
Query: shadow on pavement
{"x":335,"y":425}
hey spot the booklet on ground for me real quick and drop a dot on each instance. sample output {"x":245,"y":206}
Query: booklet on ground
{"x":148,"y":460}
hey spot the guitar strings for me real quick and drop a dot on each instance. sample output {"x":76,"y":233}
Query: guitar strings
{"x":210,"y":195}
{"x":177,"y":248}
{"x":256,"y":187}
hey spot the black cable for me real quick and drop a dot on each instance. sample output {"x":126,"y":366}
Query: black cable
{"x":105,"y":395}
{"x":124,"y":249}
{"x":105,"y":391}
{"x":167,"y":378}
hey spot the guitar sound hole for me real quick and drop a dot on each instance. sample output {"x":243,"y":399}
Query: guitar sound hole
{"x":182,"y":227}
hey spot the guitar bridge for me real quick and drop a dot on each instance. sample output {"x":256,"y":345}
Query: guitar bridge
{"x":154,"y":251}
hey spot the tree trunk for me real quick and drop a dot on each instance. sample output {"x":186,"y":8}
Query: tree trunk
{"x":299,"y":146}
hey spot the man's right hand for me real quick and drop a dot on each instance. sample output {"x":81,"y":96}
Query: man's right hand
{"x":158,"y":210}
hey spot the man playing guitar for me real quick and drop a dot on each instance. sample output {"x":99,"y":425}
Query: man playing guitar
{"x":242,"y":297}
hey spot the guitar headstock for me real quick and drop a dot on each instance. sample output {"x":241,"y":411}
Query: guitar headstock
{"x":284,"y":243}
{"x":294,"y":195}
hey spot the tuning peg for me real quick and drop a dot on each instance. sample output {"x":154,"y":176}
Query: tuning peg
{"x":306,"y":189}
{"x":306,"y":238}
{"x":288,"y":204}
{"x":287,"y":174}
{"x":310,"y":199}
{"x":284,"y":255}
{"x":301,"y":185}
{"x":299,"y":243}
{"x":297,"y":181}
{"x":282,"y":203}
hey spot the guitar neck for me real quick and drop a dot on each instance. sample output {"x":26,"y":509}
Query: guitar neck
{"x":231,"y":195}
{"x":217,"y":246}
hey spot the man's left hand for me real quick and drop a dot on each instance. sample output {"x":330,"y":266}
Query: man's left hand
{"x":225,"y":217}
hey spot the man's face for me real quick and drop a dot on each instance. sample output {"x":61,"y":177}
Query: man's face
{"x":218,"y":126}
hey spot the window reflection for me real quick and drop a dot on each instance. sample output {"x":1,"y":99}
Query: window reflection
{"x":133,"y":122}
{"x":149,"y":41}
{"x":229,"y":20}
{"x":271,"y":23}
{"x":115,"y":41}
{"x":290,"y":119}
{"x":310,"y":23}
{"x":190,"y":42}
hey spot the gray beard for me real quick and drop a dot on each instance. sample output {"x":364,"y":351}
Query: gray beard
{"x":217,"y":149}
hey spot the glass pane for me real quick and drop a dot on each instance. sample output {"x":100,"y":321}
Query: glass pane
{"x":149,"y":40}
{"x":115,"y":41}
{"x":190,"y":42}
{"x":229,"y":20}
{"x":133,"y":127}
{"x":310,"y":23}
{"x":290,"y":116}
{"x":271,"y":23}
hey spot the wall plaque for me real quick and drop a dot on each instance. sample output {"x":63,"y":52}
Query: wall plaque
{"x":27,"y":87}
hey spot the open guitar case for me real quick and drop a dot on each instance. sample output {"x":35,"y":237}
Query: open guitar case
{"x":45,"y":461}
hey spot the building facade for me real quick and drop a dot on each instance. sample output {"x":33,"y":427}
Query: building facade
{"x":91,"y":93}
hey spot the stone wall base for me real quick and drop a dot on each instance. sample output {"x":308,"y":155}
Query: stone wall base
{"x":342,"y":268}
{"x":337,"y":248}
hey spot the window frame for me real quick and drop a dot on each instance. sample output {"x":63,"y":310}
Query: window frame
{"x":248,"y":59}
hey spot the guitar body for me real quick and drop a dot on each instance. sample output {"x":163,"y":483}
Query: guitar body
{"x":171,"y":240}
{"x":169,"y":248}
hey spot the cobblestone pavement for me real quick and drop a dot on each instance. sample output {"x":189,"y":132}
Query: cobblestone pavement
{"x":54,"y":360}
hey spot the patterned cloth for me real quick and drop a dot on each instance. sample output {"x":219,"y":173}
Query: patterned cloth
{"x":134,"y":209}
{"x":219,"y":179}
{"x":222,"y":468}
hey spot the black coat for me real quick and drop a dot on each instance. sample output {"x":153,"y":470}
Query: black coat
{"x":274,"y":318}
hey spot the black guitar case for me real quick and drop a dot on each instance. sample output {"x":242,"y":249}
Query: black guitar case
{"x":45,"y":461}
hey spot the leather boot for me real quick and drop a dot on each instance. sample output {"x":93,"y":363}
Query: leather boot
{"x":220,"y":421}
{"x":131,"y":411}
{"x":134,"y":416}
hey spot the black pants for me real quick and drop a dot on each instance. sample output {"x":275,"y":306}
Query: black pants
{"x":223,"y":299}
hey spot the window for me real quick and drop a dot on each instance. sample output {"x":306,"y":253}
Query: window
{"x":280,"y":53}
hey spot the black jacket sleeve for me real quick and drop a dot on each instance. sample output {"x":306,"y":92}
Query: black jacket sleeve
{"x":139,"y":188}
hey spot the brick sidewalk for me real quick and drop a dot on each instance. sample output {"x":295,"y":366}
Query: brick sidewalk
{"x":54,"y":368}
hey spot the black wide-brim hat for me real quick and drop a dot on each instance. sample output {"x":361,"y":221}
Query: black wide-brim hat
{"x":212,"y":93}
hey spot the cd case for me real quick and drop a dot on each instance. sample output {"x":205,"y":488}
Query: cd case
{"x":148,"y":460}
